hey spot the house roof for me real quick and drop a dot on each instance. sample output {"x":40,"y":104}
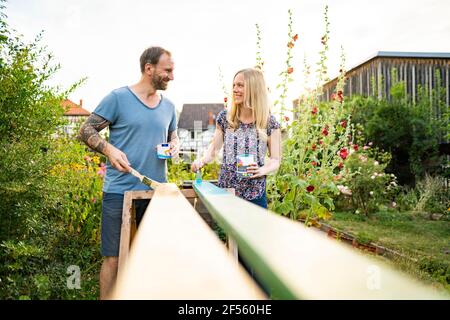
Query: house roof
{"x":198,"y":112}
{"x":73,"y":109}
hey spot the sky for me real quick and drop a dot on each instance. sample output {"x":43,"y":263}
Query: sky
{"x":102,"y":40}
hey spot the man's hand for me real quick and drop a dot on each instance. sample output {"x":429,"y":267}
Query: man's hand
{"x":174,"y":148}
{"x":174,"y":143}
{"x":117,"y":158}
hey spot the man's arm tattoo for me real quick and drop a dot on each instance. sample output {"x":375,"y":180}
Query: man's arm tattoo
{"x":89,"y":132}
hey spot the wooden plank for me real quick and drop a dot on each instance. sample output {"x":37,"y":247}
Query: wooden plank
{"x":297,"y":263}
{"x":175,"y":255}
{"x":125,"y":232}
{"x":447,"y":86}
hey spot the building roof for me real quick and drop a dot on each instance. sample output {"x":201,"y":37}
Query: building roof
{"x":73,"y":109}
{"x":400,"y":54}
{"x":396,"y":54}
{"x":204,"y":112}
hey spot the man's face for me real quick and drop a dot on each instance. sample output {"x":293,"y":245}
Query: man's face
{"x":162,"y":72}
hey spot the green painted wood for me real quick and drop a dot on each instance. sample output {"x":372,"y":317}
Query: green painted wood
{"x":296,"y":262}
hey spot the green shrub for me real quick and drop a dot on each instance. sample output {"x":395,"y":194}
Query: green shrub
{"x":370,"y":187}
{"x":409,"y":132}
{"x":50,"y":196}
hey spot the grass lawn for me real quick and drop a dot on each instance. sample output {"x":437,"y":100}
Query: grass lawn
{"x":425,"y":242}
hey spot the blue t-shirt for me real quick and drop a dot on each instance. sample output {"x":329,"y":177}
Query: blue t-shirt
{"x":136,"y":130}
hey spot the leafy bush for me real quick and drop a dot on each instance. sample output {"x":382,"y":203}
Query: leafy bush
{"x":433,"y":195}
{"x":410,"y":132}
{"x":180,"y":171}
{"x":50,"y":196}
{"x":368,"y":185}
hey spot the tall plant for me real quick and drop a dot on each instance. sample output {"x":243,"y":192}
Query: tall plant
{"x":314,"y":153}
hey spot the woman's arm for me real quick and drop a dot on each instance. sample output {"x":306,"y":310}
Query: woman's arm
{"x":273,"y":163}
{"x":210,"y":153}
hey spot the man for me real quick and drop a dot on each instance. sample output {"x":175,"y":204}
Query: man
{"x":139,"y":118}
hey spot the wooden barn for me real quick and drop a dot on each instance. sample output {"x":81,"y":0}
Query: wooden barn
{"x":374,"y":76}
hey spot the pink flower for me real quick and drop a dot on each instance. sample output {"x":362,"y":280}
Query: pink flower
{"x":101,"y":170}
{"x":344,"y":190}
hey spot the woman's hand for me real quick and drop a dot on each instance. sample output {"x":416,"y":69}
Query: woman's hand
{"x":197,"y":165}
{"x":255,"y":171}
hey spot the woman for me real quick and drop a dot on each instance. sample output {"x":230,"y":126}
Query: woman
{"x":247,"y":132}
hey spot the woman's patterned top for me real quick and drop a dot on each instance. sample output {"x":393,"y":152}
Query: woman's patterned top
{"x":243,"y":140}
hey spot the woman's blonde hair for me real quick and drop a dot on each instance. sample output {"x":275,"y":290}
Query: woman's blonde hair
{"x":255,"y":97}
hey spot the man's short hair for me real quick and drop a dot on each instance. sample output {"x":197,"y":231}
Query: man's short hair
{"x":151,"y":55}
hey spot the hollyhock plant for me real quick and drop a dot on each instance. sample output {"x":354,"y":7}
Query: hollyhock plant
{"x":312,"y":154}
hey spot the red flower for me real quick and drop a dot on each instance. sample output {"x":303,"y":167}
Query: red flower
{"x":295,"y":38}
{"x":325,"y":131}
{"x":320,"y":142}
{"x":225,"y":99}
{"x":290,"y":70}
{"x":290,"y":44}
{"x":340,"y":165}
{"x":355,"y":147}
{"x":343,"y":153}
{"x":313,"y":163}
{"x":344,"y":123}
{"x":286,"y":118}
{"x":340,"y":96}
{"x":310,"y":188}
{"x":314,"y":110}
{"x":313,"y":147}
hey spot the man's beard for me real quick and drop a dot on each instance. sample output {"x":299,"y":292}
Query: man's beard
{"x":159,"y":83}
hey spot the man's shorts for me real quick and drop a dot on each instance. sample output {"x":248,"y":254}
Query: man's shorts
{"x":112,"y":207}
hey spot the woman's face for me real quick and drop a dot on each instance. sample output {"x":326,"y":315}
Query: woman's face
{"x":238,"y":88}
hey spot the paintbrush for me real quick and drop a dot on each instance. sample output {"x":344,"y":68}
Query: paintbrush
{"x":145,"y":180}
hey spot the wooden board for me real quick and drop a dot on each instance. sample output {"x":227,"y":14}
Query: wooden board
{"x":175,"y":255}
{"x":297,"y":263}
